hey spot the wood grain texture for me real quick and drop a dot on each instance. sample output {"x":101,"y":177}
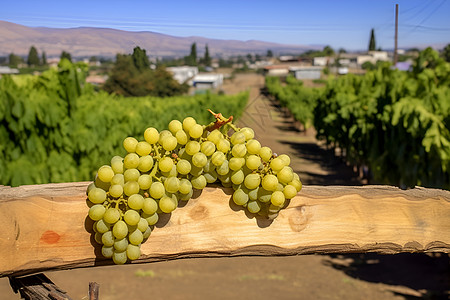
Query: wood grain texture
{"x":44,"y":227}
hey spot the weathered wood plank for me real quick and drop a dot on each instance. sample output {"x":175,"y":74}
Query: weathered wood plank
{"x":45,"y":227}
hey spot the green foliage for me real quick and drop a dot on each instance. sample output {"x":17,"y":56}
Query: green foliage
{"x":33,"y":58}
{"x":14,"y":60}
{"x":66,"y":55}
{"x":140,"y":59}
{"x":446,"y":53}
{"x":55,"y":128}
{"x":207,"y":58}
{"x":191,"y":60}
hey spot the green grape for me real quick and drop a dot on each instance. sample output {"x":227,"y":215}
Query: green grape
{"x":167,"y":204}
{"x":151,"y":135}
{"x":150,"y":206}
{"x":289,"y":191}
{"x":185,"y":186}
{"x":172,"y":184}
{"x":136,"y":237}
{"x":237,"y":177}
{"x":188,"y":123}
{"x":270,"y":182}
{"x":130,"y":188}
{"x":117,"y":165}
{"x":147,"y":231}
{"x":239,"y":150}
{"x":96,"y":212}
{"x":97,"y":195}
{"x":131,"y":217}
{"x":107,"y":251}
{"x":236,"y":163}
{"x":225,"y":179}
{"x":253,"y":194}
{"x":120,"y":229}
{"x":136,"y":202}
{"x":277,"y":198}
{"x":142,"y":225}
{"x":131,"y":175}
{"x":240,"y":197}
{"x":90,"y":187}
{"x":121,"y":244}
{"x":192,"y":147}
{"x":286,"y":175}
{"x":253,"y":147}
{"x":237,"y":138}
{"x":277,"y":164}
{"x":133,"y":252}
{"x":253,"y":162}
{"x":101,"y":226}
{"x":131,"y":228}
{"x":182,"y":137}
{"x":208,"y":148}
{"x":163,"y":135}
{"x":253,"y":206}
{"x":165,"y":164}
{"x":208,"y":166}
{"x":223,"y":145}
{"x":131,"y":161}
{"x":105,"y":173}
{"x":196,"y":131}
{"x":157,"y":190}
{"x":130,"y":144}
{"x":265,"y":153}
{"x":286,"y":159}
{"x":108,"y":239}
{"x":175,"y":126}
{"x":119,"y":258}
{"x":172,"y":173}
{"x":199,"y":159}
{"x":214,"y":136}
{"x":116,"y":190}
{"x":248,"y":133}
{"x":211,"y":176}
{"x":296,"y":183}
{"x":223,"y":169}
{"x":187,"y":196}
{"x":102,"y":185}
{"x":218,"y":158}
{"x":144,"y":181}
{"x":196,"y":171}
{"x":252,"y":181}
{"x":118,"y":179}
{"x":183,"y":166}
{"x":151,"y":219}
{"x":145,"y":163}
{"x":170,"y":143}
{"x":264,"y":195}
{"x":198,"y":182}
{"x":112,"y":215}
{"x":116,"y":158}
{"x":143,"y":148}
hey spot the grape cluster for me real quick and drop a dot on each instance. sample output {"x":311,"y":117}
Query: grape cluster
{"x":128,"y":195}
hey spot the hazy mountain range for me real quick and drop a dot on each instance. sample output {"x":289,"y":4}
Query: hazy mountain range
{"x":104,"y":42}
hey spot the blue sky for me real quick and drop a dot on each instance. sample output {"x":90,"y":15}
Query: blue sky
{"x":340,"y":24}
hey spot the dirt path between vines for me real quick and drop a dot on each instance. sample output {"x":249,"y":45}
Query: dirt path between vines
{"x":368,"y":276}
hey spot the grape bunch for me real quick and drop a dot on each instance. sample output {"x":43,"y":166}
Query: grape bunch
{"x":128,"y":195}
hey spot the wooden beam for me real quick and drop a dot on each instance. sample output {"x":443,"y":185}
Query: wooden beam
{"x":44,"y":227}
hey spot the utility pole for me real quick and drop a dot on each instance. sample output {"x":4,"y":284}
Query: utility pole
{"x":396,"y":35}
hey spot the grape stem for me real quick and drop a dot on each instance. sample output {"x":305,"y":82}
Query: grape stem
{"x":220,"y":121}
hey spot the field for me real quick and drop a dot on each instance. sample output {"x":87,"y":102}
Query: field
{"x":355,"y":276}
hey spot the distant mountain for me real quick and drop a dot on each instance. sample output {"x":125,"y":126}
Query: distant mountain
{"x":104,"y":42}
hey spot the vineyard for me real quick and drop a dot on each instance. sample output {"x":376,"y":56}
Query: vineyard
{"x":393,"y":124}
{"x":56,"y":128}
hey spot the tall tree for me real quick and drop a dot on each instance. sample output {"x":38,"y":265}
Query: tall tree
{"x":140,"y":59}
{"x":191,"y":60}
{"x":14,"y":60}
{"x":269,"y":53}
{"x":33,"y":58}
{"x":446,"y":53}
{"x":44,"y":58}
{"x":66,"y":55}
{"x":207,"y":58}
{"x":372,"y":44}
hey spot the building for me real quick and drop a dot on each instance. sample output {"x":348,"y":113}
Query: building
{"x":183,"y":74}
{"x":207,"y":81}
{"x":304,"y":72}
{"x":8,"y":70}
{"x":276,"y":70}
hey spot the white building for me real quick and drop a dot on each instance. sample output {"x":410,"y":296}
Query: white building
{"x":183,"y":74}
{"x":303,"y":72}
{"x":207,"y":81}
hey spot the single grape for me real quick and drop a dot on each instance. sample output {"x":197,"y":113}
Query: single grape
{"x":211,"y":176}
{"x":142,"y":225}
{"x":107,"y":251}
{"x":96,"y":212}
{"x":172,"y":173}
{"x":163,"y":135}
{"x":133,"y":252}
{"x":175,"y":126}
{"x":101,"y":226}
{"x":144,"y":181}
{"x":131,"y":175}
{"x":183,"y":166}
{"x":296,"y":183}
{"x":157,"y":190}
{"x":136,"y":237}
{"x":285,"y":158}
{"x":208,"y":148}
{"x":240,"y":197}
{"x":199,"y":159}
{"x":131,"y":161}
{"x":150,"y":206}
{"x":182,"y":137}
{"x":165,"y":164}
{"x":253,"y":162}
{"x":108,"y":239}
{"x":253,"y":206}
{"x":185,"y":186}
{"x":236,"y":163}
{"x":198,"y":182}
{"x":253,"y":146}
{"x":214,"y":136}
{"x":119,"y":258}
{"x":130,"y":144}
{"x":223,"y":145}
{"x":277,"y":164}
{"x":136,"y":202}
{"x":97,"y":195}
{"x":121,"y":244}
{"x":172,"y":184}
{"x":145,"y":163}
{"x":117,"y":165}
{"x":223,"y":169}
{"x":277,"y":198}
{"x":170,"y":143}
{"x":265,"y":153}
{"x":237,"y":177}
{"x":237,"y":138}
{"x":143,"y":148}
{"x":130,"y":188}
{"x":147,"y":231}
{"x":285,"y":175}
{"x":192,"y":147}
{"x":252,"y":181}
{"x":196,"y":131}
{"x":269,"y":182}
{"x":188,"y":123}
{"x":253,"y":194}
{"x":105,"y":173}
{"x":187,"y":196}
{"x":120,"y":229}
{"x":248,"y":133}
{"x":218,"y":158}
{"x":167,"y":204}
{"x":289,"y":191}
{"x":239,"y":150}
{"x":151,"y":135}
{"x":116,"y":190}
{"x":118,"y":179}
{"x":111,"y":216}
{"x":151,"y":219}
